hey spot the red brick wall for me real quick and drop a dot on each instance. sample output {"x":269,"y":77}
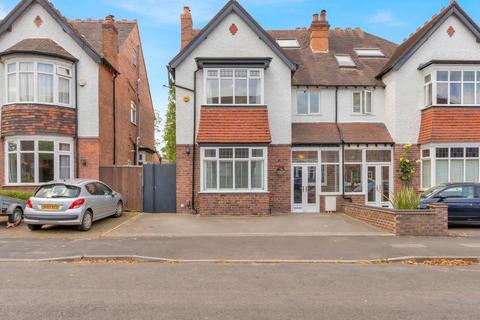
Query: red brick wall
{"x":32,"y":119}
{"x":280,"y":186}
{"x":105,"y":105}
{"x":233,"y":204}
{"x":184,"y":178}
{"x":89,"y":158}
{"x":415,"y":155}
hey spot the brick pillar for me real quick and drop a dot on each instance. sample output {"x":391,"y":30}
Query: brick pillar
{"x":415,"y":155}
{"x":440,"y":225}
{"x":89,"y":158}
{"x":279,"y":186}
{"x":184,"y":178}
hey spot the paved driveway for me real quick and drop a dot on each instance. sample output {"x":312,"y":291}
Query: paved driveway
{"x":180,"y":225}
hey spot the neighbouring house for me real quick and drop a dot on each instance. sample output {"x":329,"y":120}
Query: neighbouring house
{"x":296,"y":120}
{"x":75,"y":96}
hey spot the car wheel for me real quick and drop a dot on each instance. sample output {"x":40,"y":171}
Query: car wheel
{"x":118,"y":210}
{"x":86,"y":222}
{"x":34,"y":227}
{"x":16,"y":217}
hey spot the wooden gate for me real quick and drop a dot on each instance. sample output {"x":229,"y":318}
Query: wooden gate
{"x":128,"y":180}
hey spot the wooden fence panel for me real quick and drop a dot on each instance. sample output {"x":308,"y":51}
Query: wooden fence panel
{"x":128,"y":180}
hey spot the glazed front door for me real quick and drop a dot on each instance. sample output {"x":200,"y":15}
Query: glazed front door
{"x":304,"y":189}
{"x":379,"y":184}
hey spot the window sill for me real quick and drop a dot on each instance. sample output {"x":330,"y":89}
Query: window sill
{"x":362,"y":114}
{"x":234,"y":192}
{"x":39,"y":104}
{"x":309,"y":114}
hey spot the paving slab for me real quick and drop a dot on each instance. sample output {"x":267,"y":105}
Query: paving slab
{"x":179,"y":225}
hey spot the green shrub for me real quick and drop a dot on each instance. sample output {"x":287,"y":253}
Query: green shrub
{"x":16,"y":194}
{"x":405,"y":199}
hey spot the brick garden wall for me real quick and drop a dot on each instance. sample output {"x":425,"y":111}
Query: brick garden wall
{"x":432,"y":222}
{"x":233,"y":204}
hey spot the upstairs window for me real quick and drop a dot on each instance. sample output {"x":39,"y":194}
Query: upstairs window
{"x":133,"y":112}
{"x":308,"y":102}
{"x":457,"y":87}
{"x":427,"y":88}
{"x":362,"y":102}
{"x":234,"y":86}
{"x":38,"y":82}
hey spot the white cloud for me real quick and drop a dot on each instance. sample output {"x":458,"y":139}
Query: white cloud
{"x":386,"y":18}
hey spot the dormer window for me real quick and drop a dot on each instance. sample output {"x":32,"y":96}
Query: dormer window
{"x":288,"y":43}
{"x":234,"y":86}
{"x":345,"y":61}
{"x":375,"y":52}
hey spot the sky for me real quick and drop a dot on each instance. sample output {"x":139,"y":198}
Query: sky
{"x":159,"y":21}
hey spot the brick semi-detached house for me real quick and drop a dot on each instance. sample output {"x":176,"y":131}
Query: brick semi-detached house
{"x":293,"y":120}
{"x":71,"y":102}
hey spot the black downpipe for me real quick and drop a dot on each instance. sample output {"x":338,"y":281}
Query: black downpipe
{"x":114,"y":93}
{"x":343,"y":142}
{"x":194,"y":209}
{"x":77,"y":156}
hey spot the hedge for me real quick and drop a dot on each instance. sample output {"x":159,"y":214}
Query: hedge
{"x":16,"y":194}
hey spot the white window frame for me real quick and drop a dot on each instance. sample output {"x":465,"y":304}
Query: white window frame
{"x":57,"y":153}
{"x":217,"y":158}
{"x":309,"y":105}
{"x":433,"y":72}
{"x":261,"y":77}
{"x":133,"y":113}
{"x":369,"y":52}
{"x":56,"y":75}
{"x":433,"y":158}
{"x":363,"y":97}
{"x":428,"y":86}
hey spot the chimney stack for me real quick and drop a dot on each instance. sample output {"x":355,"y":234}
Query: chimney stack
{"x":319,"y":32}
{"x":110,"y":40}
{"x":186,"y":23}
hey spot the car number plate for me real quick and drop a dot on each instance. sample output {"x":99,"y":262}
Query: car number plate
{"x":50,"y":207}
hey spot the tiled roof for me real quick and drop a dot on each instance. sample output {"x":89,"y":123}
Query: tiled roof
{"x":322,"y":68}
{"x":44,"y":46}
{"x":454,"y":124}
{"x":234,"y":125}
{"x":315,"y":133}
{"x":360,"y":132}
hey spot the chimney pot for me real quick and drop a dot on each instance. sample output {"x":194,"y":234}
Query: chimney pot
{"x":110,"y":18}
{"x":315,"y":17}
{"x":323,"y":16}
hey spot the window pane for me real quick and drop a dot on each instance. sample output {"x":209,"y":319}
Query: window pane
{"x":426,"y":153}
{"x":45,"y":146}
{"x":426,"y":174}
{"x":456,"y":171}
{"x":353,"y":178}
{"x":302,"y":102}
{"x":455,"y":75}
{"x":305,"y":156}
{"x":241,"y":153}
{"x":455,"y":93}
{"x":212,"y":91}
{"x":330,"y":156}
{"x":226,"y":175}
{"x":64,"y":146}
{"x":210,"y":175}
{"x":26,"y":86}
{"x":12,"y":67}
{"x":442,"y":75}
{"x":45,"y":167}
{"x":241,"y":174}
{"x":241,"y":91}
{"x":469,"y":93}
{"x":63,"y":90}
{"x":442,"y":93}
{"x":12,"y":87}
{"x":226,"y":153}
{"x":27,"y":145}
{"x":26,"y":66}
{"x":12,"y":146}
{"x":330,"y":178}
{"x":43,"y":67}
{"x":257,"y":174}
{"x":314,"y":102}
{"x":12,"y":168}
{"x":27,"y":169}
{"x":429,"y":94}
{"x":257,"y":153}
{"x":357,"y":102}
{"x":478,"y":93}
{"x":226,"y":91}
{"x":255,"y":91}
{"x":368,"y":102}
{"x":442,"y":152}
{"x":353,"y":155}
{"x":210,"y":153}
{"x":441,"y":173}
{"x":64,"y":167}
{"x":472,"y":152}
{"x":456,"y":152}
{"x":471,"y":171}
{"x":469,"y":76}
{"x":45,"y":87}
{"x":379,"y":155}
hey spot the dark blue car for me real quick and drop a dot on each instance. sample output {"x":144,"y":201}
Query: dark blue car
{"x":463,"y":200}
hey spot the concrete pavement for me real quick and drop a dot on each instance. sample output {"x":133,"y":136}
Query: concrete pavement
{"x":216,"y":291}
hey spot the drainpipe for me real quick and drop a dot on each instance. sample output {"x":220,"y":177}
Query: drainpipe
{"x":114,"y":94}
{"x":77,"y":156}
{"x":194,"y":209}
{"x":342,"y":141}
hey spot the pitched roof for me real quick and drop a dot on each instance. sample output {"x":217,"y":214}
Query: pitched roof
{"x":43,"y":46}
{"x":360,"y":132}
{"x":234,"y":125}
{"x":315,"y":133}
{"x":232,"y":6}
{"x":322,"y":68}
{"x":415,"y":41}
{"x":454,"y":124}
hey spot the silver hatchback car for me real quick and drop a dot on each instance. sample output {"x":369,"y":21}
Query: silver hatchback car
{"x":76,"y":202}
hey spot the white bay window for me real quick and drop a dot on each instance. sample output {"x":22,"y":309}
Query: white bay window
{"x":33,"y":160}
{"x":230,"y":169}
{"x":452,"y":87}
{"x":232,"y":86}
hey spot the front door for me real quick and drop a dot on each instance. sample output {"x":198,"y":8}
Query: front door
{"x":379,"y":182}
{"x":305,"y":195}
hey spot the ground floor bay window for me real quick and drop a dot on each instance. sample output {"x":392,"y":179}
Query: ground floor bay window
{"x":449,"y":164}
{"x":234,"y":169}
{"x":34,"y":160}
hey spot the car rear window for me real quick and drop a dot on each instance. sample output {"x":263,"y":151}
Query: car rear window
{"x":57,"y":191}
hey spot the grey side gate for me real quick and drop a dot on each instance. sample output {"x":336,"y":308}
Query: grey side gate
{"x":159,"y":188}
